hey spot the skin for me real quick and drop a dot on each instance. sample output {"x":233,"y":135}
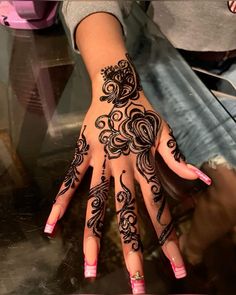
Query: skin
{"x":99,"y":38}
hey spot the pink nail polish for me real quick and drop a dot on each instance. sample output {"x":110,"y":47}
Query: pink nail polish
{"x":90,"y":270}
{"x":202,"y":176}
{"x":137,"y":284}
{"x":179,"y":271}
{"x":49,"y":228}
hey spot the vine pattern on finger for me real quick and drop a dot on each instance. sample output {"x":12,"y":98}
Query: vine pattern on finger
{"x":72,"y":175}
{"x":166,"y":232}
{"x":127,"y":217}
{"x":99,"y":196}
{"x":172,"y":144}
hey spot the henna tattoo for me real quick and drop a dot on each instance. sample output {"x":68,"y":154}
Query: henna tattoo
{"x":132,"y":130}
{"x":104,"y":164}
{"x":128,"y":218}
{"x":121,"y":83}
{"x":172,"y":144}
{"x":165,"y":233}
{"x":72,"y":175}
{"x":166,"y":228}
{"x":99,"y":194}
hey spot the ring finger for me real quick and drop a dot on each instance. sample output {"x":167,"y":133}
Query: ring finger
{"x":128,"y":227}
{"x":159,"y":212}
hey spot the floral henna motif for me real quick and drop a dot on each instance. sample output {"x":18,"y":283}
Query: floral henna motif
{"x":121,"y":84}
{"x":135,"y":131}
{"x":132,"y":130}
{"x":172,"y":144}
{"x":128,"y":218}
{"x":72,"y":174}
{"x":99,"y":194}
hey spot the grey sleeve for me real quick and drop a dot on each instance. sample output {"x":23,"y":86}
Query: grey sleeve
{"x":75,"y":11}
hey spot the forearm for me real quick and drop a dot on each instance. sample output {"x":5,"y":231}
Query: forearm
{"x":99,"y":38}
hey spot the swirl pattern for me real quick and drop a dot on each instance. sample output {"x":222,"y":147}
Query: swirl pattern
{"x":121,"y":83}
{"x":135,"y":132}
{"x":172,"y":144}
{"x":72,"y":175}
{"x":99,"y":194}
{"x":128,"y":218}
{"x":132,"y":129}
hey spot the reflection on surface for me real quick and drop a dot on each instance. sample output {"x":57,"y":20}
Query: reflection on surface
{"x":44,"y":104}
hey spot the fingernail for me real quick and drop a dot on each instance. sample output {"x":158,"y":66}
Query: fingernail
{"x":90,"y":270}
{"x":137,"y":284}
{"x":176,"y":260}
{"x":179,"y":271}
{"x":91,"y":249}
{"x":202,"y":175}
{"x":49,"y":228}
{"x":135,"y":269}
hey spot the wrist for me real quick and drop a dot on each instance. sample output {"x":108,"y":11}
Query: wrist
{"x":99,"y":38}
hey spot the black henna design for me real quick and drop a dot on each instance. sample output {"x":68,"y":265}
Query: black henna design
{"x":172,"y":144}
{"x":121,"y":83}
{"x":133,"y":130}
{"x":99,"y":194}
{"x":162,"y":204}
{"x":128,"y":218}
{"x":160,"y":200}
{"x":72,"y":175}
{"x":104,"y":165}
{"x":165,"y":233}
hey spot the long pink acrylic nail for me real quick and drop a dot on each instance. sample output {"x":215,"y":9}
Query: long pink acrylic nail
{"x":49,"y":228}
{"x":90,"y":270}
{"x":202,"y":176}
{"x":137,"y":284}
{"x":179,"y":271}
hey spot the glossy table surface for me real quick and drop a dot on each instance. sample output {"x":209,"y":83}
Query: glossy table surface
{"x":44,"y":93}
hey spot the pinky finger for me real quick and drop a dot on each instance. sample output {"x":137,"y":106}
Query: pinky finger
{"x":161,"y":218}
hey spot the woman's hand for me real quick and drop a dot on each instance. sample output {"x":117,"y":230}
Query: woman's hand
{"x":120,"y":135}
